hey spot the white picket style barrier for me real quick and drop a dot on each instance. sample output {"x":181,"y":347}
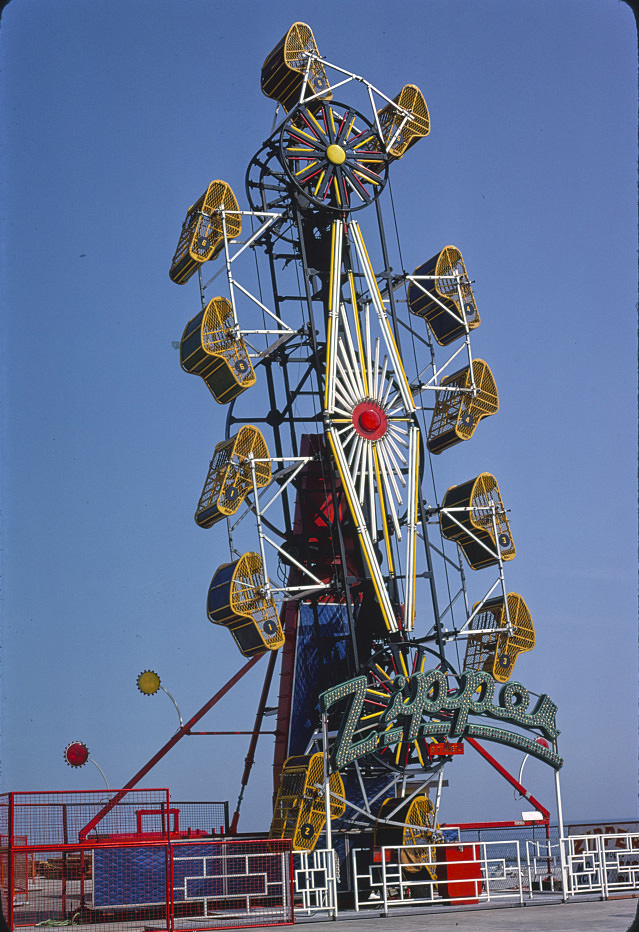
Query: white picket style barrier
{"x":315,"y":879}
{"x":478,"y":872}
{"x":602,"y":863}
{"x":474,"y":872}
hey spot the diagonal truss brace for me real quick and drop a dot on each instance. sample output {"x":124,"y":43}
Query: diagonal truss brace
{"x":295,"y":465}
{"x":450,"y":512}
{"x":282,"y":330}
{"x":350,"y":76}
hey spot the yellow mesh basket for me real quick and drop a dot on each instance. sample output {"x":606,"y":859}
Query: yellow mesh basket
{"x":470,"y":521}
{"x":212,"y":349}
{"x":399,"y":133}
{"x":496,"y":652}
{"x":418,"y":816}
{"x":237,"y":601}
{"x":299,"y":812}
{"x":284,"y":68}
{"x":456,"y":413}
{"x":229,"y":479}
{"x":202,"y":236}
{"x":446,"y":312}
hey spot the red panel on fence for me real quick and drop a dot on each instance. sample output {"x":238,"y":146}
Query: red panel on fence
{"x":194,"y":878}
{"x":459,"y":873}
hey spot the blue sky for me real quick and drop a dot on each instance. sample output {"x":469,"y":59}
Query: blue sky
{"x":116,"y":115}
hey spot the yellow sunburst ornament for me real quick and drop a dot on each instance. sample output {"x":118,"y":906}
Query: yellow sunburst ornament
{"x":148,"y":682}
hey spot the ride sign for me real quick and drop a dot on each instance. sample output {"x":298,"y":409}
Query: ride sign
{"x":444,"y":749}
{"x":423,"y":706}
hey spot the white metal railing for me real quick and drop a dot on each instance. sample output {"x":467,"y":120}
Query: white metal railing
{"x":470,"y":872}
{"x":602,"y":863}
{"x":315,"y":876}
{"x":543,"y":859}
{"x":400,"y":875}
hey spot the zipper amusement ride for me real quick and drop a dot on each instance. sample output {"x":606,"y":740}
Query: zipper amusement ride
{"x":343,"y":376}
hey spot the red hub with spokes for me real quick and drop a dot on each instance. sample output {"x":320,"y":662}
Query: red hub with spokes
{"x":369,"y":420}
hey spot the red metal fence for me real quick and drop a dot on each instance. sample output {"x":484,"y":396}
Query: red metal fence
{"x":144,"y":860}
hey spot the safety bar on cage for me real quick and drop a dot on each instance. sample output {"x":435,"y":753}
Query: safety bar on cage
{"x":393,"y":781}
{"x":463,"y":631}
{"x":435,"y":386}
{"x":317,"y":740}
{"x":459,"y":568}
{"x":232,"y":283}
{"x":388,"y":818}
{"x":283,"y":477}
{"x":380,"y":819}
{"x":383,"y":792}
{"x":287,"y":473}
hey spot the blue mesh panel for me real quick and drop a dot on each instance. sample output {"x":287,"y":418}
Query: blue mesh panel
{"x":129,"y":876}
{"x":320,"y":661}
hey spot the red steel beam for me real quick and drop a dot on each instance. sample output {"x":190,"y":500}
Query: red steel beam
{"x":285,"y":698}
{"x":250,"y":755}
{"x":511,"y":823}
{"x":184,"y":730}
{"x":508,"y":776}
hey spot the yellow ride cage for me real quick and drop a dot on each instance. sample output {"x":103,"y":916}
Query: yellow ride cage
{"x":418,"y":816}
{"x":202,"y":236}
{"x":398,"y":132}
{"x":230,"y":475}
{"x":447,"y":304}
{"x":284,"y":68}
{"x":211,"y":349}
{"x":470,"y":514}
{"x":493,"y":651}
{"x":457,"y":413}
{"x":300,"y":812}
{"x":237,"y":601}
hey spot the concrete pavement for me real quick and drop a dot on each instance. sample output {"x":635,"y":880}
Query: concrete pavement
{"x":574,"y":916}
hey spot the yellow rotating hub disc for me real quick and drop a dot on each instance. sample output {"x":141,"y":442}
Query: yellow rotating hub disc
{"x":335,"y":154}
